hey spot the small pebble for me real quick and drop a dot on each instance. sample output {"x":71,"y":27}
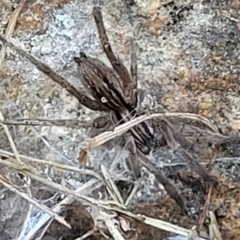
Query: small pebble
{"x":46,"y":47}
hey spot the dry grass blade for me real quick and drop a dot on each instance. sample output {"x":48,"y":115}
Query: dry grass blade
{"x":26,"y":222}
{"x":58,"y":166}
{"x":10,"y":27}
{"x":160,"y":224}
{"x":66,"y":190}
{"x":58,"y":208}
{"x":48,"y":122}
{"x":100,"y":203}
{"x":229,"y":159}
{"x":205,"y":208}
{"x":113,"y":229}
{"x":132,"y":194}
{"x":119,"y":130}
{"x":10,"y":140}
{"x":14,"y":189}
{"x":17,"y":167}
{"x":87,"y":234}
{"x":214,"y":231}
{"x":30,"y":172}
{"x":112,"y":189}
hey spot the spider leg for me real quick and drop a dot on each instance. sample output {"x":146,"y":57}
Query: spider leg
{"x":133,"y":63}
{"x":133,"y":161}
{"x":116,"y":64}
{"x":82,"y":98}
{"x":161,"y":178}
{"x":132,"y":88}
{"x":184,"y":155}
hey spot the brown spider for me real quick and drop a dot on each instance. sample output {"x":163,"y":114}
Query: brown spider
{"x":115,"y":90}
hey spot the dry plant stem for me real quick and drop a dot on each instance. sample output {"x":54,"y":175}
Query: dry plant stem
{"x":214,"y":231}
{"x":229,"y":159}
{"x":16,"y":155}
{"x":119,"y":130}
{"x":14,"y":189}
{"x":109,"y":221}
{"x":132,"y":194}
{"x":112,"y":188}
{"x":30,"y":172}
{"x":10,"y":140}
{"x":10,"y":27}
{"x":58,"y":208}
{"x":205,"y":208}
{"x":59,"y":166}
{"x":68,"y":191}
{"x":15,"y":166}
{"x":46,"y":227}
{"x":48,"y":122}
{"x":87,"y":234}
{"x":160,"y":224}
{"x":26,"y":222}
{"x":113,"y":229}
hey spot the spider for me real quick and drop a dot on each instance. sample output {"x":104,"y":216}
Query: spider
{"x":115,"y":90}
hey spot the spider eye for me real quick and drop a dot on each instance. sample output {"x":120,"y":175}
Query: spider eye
{"x":77,"y":60}
{"x":82,"y":55}
{"x":80,"y":59}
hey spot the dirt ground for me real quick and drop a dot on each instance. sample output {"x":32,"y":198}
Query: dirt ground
{"x":188,"y":61}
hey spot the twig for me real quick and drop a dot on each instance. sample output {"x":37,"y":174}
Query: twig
{"x":84,"y":189}
{"x":132,"y":194}
{"x":113,"y":229}
{"x":160,"y":224}
{"x":10,"y":140}
{"x":229,"y":159}
{"x":26,"y":222}
{"x":205,"y":208}
{"x":59,"y":166}
{"x":73,"y":123}
{"x":87,"y":234}
{"x":119,"y":130}
{"x":44,"y":208}
{"x":10,"y":28}
{"x":214,"y":231}
{"x":112,"y":189}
